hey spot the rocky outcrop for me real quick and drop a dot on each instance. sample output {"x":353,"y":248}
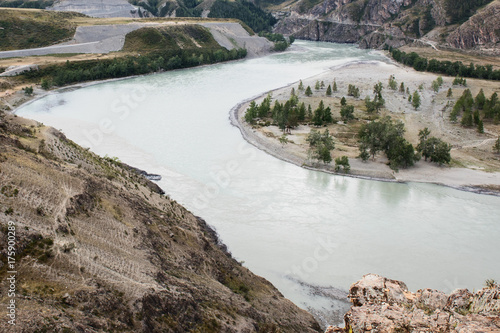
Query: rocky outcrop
{"x":480,"y":32}
{"x":373,"y":22}
{"x":382,"y":23}
{"x":384,"y":305}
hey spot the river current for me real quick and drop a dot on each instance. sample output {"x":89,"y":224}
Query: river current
{"x":311,"y":234}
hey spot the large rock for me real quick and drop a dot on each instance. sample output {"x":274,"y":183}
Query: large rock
{"x":384,"y":305}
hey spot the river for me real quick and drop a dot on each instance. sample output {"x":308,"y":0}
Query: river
{"x":311,"y":234}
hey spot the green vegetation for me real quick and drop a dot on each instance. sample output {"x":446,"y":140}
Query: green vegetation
{"x":387,"y":136}
{"x":496,"y":147}
{"x":322,"y":115}
{"x":305,"y":5}
{"x":320,"y":145}
{"x":91,"y":70}
{"x":38,"y":4}
{"x":26,"y":29}
{"x":280,"y":42}
{"x":430,"y":147}
{"x":347,"y":113}
{"x":353,"y":91}
{"x":475,"y":111}
{"x":161,"y":49}
{"x":28,"y":91}
{"x":460,"y":81}
{"x":342,"y":162}
{"x":253,"y":16}
{"x":460,"y":11}
{"x":456,"y":68}
{"x":329,"y":90}
{"x":378,"y":102}
{"x":308,"y":91}
{"x":171,"y":38}
{"x":392,"y":82}
{"x":415,"y":101}
{"x":436,"y":84}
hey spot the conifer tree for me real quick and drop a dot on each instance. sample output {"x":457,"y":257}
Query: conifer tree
{"x":309,"y":91}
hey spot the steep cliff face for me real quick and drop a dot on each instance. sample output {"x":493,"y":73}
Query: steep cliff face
{"x":481,"y":31}
{"x":99,"y":249}
{"x":384,"y":305}
{"x":376,"y":23}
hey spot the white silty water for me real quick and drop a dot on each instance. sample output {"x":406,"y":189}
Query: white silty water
{"x":297,"y":228}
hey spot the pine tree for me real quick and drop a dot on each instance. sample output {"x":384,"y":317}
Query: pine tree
{"x":329,"y":90}
{"x":334,"y":86}
{"x":402,"y":88}
{"x":302,"y":112}
{"x":450,"y":93}
{"x":343,"y":101}
{"x":316,"y":86}
{"x":416,"y":100}
{"x":496,"y":147}
{"x":392,"y":82}
{"x":309,"y":112}
{"x":309,"y":91}
{"x":301,"y":86}
{"x":480,"y":126}
{"x":322,"y":84}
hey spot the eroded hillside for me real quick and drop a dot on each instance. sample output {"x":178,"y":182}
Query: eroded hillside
{"x":100,"y":248}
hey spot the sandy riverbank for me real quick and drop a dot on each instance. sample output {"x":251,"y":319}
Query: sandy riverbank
{"x":474,"y":167}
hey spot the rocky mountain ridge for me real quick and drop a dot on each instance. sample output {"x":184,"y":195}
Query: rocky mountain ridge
{"x":380,"y":23}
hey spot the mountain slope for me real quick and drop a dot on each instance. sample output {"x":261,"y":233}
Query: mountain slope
{"x":100,"y":249}
{"x":376,"y":23}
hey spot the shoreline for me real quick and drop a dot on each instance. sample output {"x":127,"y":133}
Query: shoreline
{"x":275,"y":149}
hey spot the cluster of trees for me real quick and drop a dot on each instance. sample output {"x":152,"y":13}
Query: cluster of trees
{"x":387,"y":136}
{"x":246,"y":11}
{"x":288,"y":115}
{"x":353,"y":91}
{"x":460,"y":81}
{"x":437,"y":84}
{"x":475,"y":110}
{"x":73,"y":72}
{"x":280,"y":42}
{"x":320,"y":145}
{"x":342,"y":163}
{"x":456,"y":68}
{"x":320,"y":85}
{"x":433,"y":148}
{"x":460,"y":11}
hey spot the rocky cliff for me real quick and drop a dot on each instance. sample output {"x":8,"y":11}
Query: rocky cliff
{"x":98,"y":248}
{"x":377,"y":23}
{"x":481,"y":31}
{"x":384,"y":305}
